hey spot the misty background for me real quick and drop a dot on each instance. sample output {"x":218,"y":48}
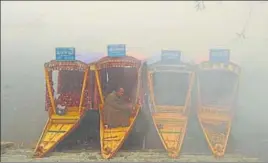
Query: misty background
{"x":30,"y":32}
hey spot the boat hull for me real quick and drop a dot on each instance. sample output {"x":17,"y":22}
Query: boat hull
{"x":171,"y":128}
{"x":56,"y":129}
{"x":216,"y":126}
{"x":113,"y":138}
{"x":170,"y":121}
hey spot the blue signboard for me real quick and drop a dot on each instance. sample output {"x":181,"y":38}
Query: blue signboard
{"x":171,"y":55}
{"x":116,"y":50}
{"x":219,"y":55}
{"x":65,"y":54}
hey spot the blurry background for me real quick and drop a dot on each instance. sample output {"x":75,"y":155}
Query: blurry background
{"x":30,"y":31}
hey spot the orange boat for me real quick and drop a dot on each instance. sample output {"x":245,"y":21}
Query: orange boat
{"x":170,"y":83}
{"x":217,"y":87}
{"x":117,"y":70}
{"x":66,"y":99}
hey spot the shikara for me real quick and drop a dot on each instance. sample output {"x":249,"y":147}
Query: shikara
{"x":112,"y":72}
{"x":66,"y":99}
{"x":170,"y":83}
{"x":217,"y":87}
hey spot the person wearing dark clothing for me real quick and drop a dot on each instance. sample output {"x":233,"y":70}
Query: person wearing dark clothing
{"x":116,"y":112}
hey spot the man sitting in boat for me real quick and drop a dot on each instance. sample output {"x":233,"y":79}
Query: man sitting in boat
{"x":116,"y":111}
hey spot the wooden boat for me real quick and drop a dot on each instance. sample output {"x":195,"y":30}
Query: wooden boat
{"x":217,"y":87}
{"x":111,"y":72}
{"x":66,"y":100}
{"x":170,"y":83}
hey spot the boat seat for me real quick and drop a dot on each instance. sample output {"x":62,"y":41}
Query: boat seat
{"x":65,"y":117}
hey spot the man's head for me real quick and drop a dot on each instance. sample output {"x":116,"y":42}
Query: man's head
{"x":119,"y":92}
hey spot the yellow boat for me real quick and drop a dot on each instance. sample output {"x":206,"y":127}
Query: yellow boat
{"x":110,"y":72}
{"x":217,"y":87}
{"x":66,"y":85}
{"x":170,"y":85}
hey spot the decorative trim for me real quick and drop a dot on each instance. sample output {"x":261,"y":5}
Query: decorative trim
{"x":109,"y":62}
{"x":66,"y":65}
{"x":232,"y":67}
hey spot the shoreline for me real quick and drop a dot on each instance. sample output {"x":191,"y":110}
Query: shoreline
{"x":82,"y":155}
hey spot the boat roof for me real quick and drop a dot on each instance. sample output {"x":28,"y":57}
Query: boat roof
{"x":66,"y":65}
{"x":222,"y":66}
{"x":209,"y":62}
{"x":155,"y":63}
{"x":123,"y":59}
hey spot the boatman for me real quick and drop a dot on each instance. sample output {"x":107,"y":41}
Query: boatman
{"x":116,"y":111}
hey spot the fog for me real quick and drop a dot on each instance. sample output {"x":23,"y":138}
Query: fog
{"x":30,"y":31}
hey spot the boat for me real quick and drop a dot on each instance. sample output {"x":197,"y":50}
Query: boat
{"x":117,"y":70}
{"x":217,"y":88}
{"x":67,"y":97}
{"x":170,"y":82}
